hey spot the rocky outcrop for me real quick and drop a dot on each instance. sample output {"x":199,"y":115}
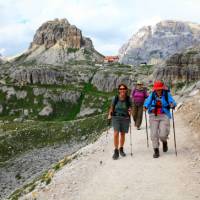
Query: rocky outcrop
{"x":181,"y":67}
{"x":57,"y":42}
{"x":55,"y":31}
{"x":108,"y":82}
{"x":153,"y":44}
{"x":108,"y":79}
{"x":49,"y":75}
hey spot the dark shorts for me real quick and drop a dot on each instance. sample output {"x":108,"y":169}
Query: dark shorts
{"x":121,"y":124}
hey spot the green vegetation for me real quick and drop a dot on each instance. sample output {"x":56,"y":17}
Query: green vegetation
{"x":192,"y":52}
{"x":21,"y":137}
{"x":146,"y":69}
{"x":72,"y":50}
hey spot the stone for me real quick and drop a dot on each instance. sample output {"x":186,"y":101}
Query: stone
{"x":86,"y":111}
{"x":20,"y":119}
{"x":194,"y":92}
{"x":1,"y":108}
{"x":46,"y":111}
{"x":21,"y":94}
{"x":26,"y":112}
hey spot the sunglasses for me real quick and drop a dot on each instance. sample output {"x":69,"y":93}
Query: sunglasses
{"x":122,"y":88}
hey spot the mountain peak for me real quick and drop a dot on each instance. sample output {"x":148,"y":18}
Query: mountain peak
{"x":153,"y":44}
{"x":57,"y":42}
{"x":52,"y":32}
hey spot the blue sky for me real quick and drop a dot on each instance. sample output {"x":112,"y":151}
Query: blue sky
{"x":109,"y":23}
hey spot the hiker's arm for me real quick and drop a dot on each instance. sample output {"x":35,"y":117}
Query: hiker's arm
{"x":146,"y":93}
{"x":110,"y":112}
{"x":111,"y":109}
{"x":147,"y":102}
{"x":172,"y":102}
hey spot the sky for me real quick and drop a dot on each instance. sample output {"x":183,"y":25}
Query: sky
{"x":109,"y":23}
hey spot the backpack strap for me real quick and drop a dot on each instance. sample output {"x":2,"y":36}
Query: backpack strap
{"x":115,"y":103}
{"x":167,"y":98}
{"x":128,"y":103}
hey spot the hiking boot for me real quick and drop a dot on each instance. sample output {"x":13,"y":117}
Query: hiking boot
{"x":121,"y":151}
{"x":165,"y":146}
{"x":116,"y":154}
{"x":156,"y":153}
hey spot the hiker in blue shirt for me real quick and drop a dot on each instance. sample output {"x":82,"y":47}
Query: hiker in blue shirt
{"x":158,"y":105}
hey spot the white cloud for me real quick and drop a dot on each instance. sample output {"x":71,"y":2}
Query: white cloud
{"x":109,"y":22}
{"x":2,"y":51}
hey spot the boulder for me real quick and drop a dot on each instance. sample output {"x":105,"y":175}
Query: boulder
{"x":46,"y":111}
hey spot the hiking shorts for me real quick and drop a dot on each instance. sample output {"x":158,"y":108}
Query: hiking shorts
{"x":121,"y":124}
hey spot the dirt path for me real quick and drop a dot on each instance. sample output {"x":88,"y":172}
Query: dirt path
{"x":95,"y":176}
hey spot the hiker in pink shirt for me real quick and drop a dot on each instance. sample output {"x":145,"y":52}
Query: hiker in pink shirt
{"x":138,"y":96}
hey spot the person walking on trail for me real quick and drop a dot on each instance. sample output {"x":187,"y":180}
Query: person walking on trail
{"x":119,"y":113}
{"x":158,"y":105}
{"x":138,"y":96}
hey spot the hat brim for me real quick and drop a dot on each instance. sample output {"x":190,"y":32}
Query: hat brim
{"x":158,"y":88}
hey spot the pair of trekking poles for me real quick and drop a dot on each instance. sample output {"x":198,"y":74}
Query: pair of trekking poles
{"x":148,"y":134}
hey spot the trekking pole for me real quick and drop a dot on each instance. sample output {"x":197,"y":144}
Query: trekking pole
{"x":147,"y":130}
{"x":174,"y":132}
{"x":131,"y":139}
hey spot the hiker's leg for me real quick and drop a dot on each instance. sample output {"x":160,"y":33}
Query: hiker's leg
{"x":134,"y":113}
{"x":164,"y":128}
{"x":116,"y":139}
{"x":154,"y":129}
{"x":122,"y":139}
{"x":139,"y":116}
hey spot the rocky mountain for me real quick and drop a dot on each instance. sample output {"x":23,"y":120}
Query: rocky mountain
{"x":153,"y":44}
{"x":58,"y":42}
{"x":181,"y":68}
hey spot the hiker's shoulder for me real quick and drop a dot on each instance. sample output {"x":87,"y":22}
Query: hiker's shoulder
{"x":114,"y":98}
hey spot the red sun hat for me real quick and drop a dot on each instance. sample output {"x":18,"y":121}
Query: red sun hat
{"x":158,"y":85}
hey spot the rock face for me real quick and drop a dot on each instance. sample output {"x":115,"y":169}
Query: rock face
{"x":49,"y":75}
{"x":153,"y":44}
{"x":57,"y":42}
{"x":52,"y":32}
{"x":108,"y":82}
{"x":181,"y":67}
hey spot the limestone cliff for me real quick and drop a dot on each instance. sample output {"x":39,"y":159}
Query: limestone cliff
{"x":154,"y":44}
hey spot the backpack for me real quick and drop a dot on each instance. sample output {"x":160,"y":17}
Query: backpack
{"x":127,"y":101}
{"x":166,"y":99}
